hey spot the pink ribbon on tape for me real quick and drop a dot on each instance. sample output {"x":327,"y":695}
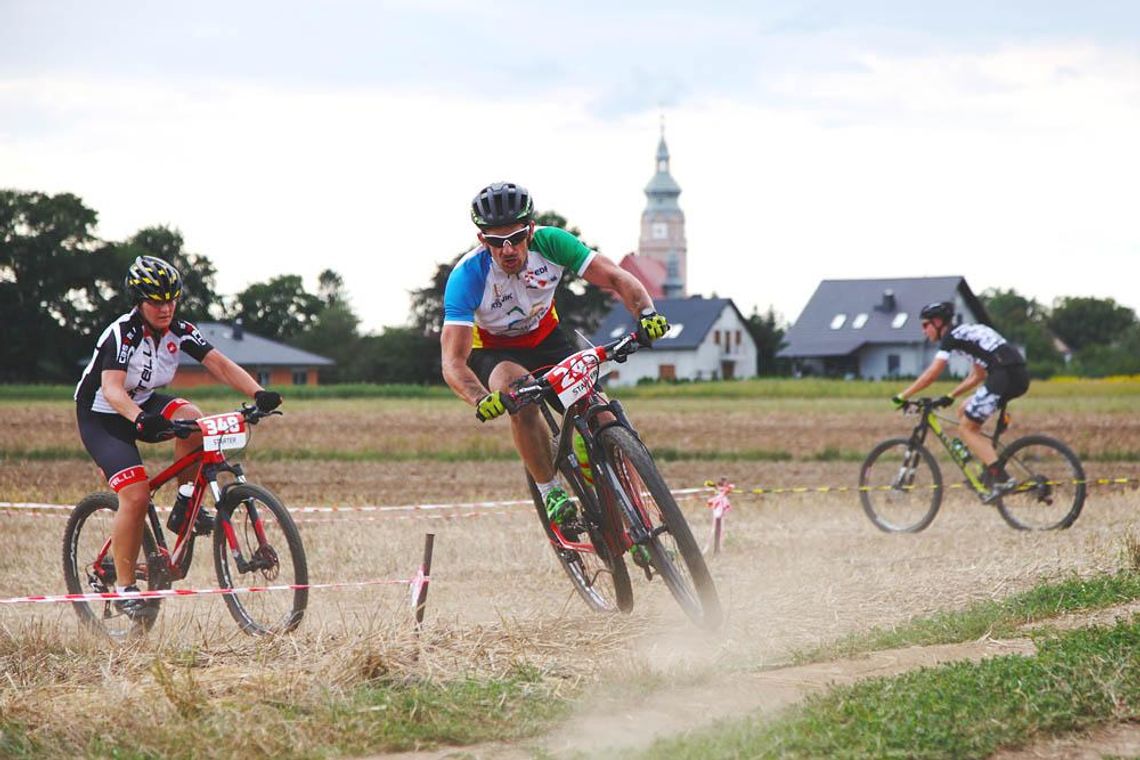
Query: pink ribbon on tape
{"x":179,"y":592}
{"x":418,"y":583}
{"x":719,"y":502}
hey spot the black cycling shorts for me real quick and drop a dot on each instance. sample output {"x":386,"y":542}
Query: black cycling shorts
{"x":1003,"y":384}
{"x":553,"y":349}
{"x":112,"y":441}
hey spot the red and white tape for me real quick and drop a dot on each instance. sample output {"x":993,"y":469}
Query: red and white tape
{"x":420,"y":579}
{"x":15,"y":506}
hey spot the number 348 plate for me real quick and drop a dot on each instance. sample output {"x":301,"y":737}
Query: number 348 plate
{"x":223,"y":431}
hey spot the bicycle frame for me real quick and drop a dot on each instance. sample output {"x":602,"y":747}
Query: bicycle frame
{"x":582,"y":415}
{"x":931,"y":421}
{"x":175,"y":563}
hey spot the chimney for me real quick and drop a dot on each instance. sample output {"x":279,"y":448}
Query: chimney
{"x":888,"y":304}
{"x":238,"y":330}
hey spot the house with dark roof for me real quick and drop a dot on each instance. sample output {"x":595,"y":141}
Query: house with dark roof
{"x":708,"y":340}
{"x":269,"y":362}
{"x":871,"y":328}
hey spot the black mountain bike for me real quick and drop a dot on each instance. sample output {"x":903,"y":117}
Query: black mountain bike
{"x":900,"y":483}
{"x":629,"y":509}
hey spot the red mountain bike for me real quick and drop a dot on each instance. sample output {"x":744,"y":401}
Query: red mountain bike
{"x":255,"y":540}
{"x":629,"y":508}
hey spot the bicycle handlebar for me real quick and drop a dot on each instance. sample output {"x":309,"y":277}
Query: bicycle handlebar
{"x":527,"y":391}
{"x":252,"y":415}
{"x":925,"y":404}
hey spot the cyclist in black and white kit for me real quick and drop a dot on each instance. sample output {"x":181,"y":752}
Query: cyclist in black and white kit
{"x":117,"y":406}
{"x":995,"y":362}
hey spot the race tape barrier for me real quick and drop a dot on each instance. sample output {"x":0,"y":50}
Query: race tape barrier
{"x":422,"y":580}
{"x":31,"y":506}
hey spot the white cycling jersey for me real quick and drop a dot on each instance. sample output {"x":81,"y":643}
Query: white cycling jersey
{"x":149,"y":360}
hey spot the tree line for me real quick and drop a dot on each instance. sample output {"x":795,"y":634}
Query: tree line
{"x":60,"y":286}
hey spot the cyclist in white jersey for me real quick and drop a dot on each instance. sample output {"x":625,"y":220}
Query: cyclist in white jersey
{"x":500,"y":322}
{"x":996,"y":363}
{"x":117,"y":406}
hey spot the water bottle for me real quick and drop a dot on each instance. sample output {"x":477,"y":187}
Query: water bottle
{"x":181,"y":504}
{"x":961,"y":450}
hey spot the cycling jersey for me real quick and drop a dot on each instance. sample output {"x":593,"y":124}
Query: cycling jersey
{"x":982,"y":344}
{"x":150,"y":361}
{"x":513,"y":310}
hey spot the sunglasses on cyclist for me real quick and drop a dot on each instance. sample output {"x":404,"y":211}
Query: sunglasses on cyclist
{"x":515,"y":238}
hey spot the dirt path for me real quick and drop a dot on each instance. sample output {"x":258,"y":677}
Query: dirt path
{"x":613,"y":726}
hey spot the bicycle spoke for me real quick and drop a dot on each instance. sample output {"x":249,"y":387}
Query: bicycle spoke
{"x":900,"y":487}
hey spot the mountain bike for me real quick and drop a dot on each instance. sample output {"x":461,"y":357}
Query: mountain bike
{"x":900,"y":483}
{"x":255,"y":540}
{"x":628,"y":509}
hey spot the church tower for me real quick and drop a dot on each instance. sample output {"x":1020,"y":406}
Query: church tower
{"x":663,"y":226}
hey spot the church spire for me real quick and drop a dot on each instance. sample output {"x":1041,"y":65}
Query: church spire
{"x":663,"y":222}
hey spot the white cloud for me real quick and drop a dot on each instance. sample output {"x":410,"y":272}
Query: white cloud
{"x":1014,"y":168}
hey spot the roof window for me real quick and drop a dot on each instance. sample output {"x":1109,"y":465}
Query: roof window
{"x":859,"y":321}
{"x":899,"y":320}
{"x":837,"y":321}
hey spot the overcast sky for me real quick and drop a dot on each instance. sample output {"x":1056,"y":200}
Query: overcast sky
{"x":812,"y":140}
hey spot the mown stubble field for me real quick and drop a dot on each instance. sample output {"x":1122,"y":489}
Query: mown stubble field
{"x":797,"y":570}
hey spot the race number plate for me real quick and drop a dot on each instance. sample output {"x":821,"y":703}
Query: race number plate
{"x":574,"y":376}
{"x":223,"y":431}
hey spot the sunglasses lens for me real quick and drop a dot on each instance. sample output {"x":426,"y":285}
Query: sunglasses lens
{"x":515,"y":238}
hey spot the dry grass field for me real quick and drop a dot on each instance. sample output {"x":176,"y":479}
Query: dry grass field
{"x":797,"y":570}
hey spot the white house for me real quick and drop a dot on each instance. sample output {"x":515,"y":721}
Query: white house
{"x":709,"y":340}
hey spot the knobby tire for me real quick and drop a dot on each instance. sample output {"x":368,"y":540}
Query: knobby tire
{"x":672,"y":550}
{"x":894,"y":503}
{"x":588,"y":572}
{"x":282,"y":562}
{"x":88,"y":527}
{"x":1051,"y":484}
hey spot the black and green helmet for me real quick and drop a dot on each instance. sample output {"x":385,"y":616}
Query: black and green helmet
{"x":500,"y":204}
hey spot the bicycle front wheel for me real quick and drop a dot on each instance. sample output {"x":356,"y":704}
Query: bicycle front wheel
{"x":1050,"y":488}
{"x":89,"y":567}
{"x":900,"y":486}
{"x":673,"y":551}
{"x":256,"y":544}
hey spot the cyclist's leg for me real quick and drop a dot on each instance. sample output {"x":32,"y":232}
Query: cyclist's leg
{"x":531,"y":437}
{"x":178,"y":409}
{"x":110,"y":439}
{"x":971,"y":415}
{"x":126,"y":532}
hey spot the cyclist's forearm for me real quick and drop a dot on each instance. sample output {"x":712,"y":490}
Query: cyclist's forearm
{"x":229,"y":372}
{"x":463,"y":382}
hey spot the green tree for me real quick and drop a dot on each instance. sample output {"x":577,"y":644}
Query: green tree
{"x":1082,"y":322}
{"x":333,"y":332}
{"x":769,"y":337}
{"x":279,"y":309}
{"x":398,"y":355}
{"x":1024,"y":321}
{"x":48,"y":284}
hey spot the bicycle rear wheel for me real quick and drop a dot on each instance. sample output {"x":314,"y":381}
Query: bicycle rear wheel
{"x":1051,"y":484}
{"x":270,"y":553}
{"x":600,"y":577}
{"x":900,"y":486}
{"x":88,"y":531}
{"x":673,"y":551}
